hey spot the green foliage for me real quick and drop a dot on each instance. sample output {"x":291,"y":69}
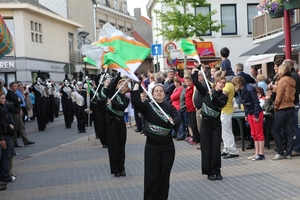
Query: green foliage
{"x":180,"y":22}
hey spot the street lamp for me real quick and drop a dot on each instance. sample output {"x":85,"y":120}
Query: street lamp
{"x":84,"y":34}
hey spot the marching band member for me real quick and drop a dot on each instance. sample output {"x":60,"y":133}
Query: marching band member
{"x":41,"y":94}
{"x":66,"y":101}
{"x":51,"y":92}
{"x":79,"y":97}
{"x":101,"y":111}
{"x":116,"y":139}
{"x":159,"y":148}
{"x":94,"y":105}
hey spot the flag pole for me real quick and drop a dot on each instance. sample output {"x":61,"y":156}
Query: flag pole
{"x":119,"y":89}
{"x":88,"y":100}
{"x":203,"y":72}
{"x":101,"y":79}
{"x":164,"y":113}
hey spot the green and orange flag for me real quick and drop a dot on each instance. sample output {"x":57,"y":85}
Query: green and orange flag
{"x":117,"y":51}
{"x":188,"y":48}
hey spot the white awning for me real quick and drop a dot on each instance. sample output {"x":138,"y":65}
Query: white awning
{"x":260,"y":59}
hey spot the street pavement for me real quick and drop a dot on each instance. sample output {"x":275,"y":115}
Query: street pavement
{"x":65,"y":165}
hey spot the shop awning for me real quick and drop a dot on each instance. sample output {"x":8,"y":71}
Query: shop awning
{"x":277,"y":44}
{"x":6,"y":39}
{"x":260,"y":59}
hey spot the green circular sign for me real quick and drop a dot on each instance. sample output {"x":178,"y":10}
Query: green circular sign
{"x":69,"y":68}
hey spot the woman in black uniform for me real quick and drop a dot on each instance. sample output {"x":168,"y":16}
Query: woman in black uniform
{"x":211,"y":127}
{"x":116,"y":127}
{"x":159,"y":148}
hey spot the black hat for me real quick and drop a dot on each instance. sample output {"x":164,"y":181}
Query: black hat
{"x":66,"y":78}
{"x":80,"y":78}
{"x":39,"y":75}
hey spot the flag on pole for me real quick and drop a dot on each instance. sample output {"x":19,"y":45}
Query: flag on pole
{"x":117,"y":51}
{"x":189,"y":49}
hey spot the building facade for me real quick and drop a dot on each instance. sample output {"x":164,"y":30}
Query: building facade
{"x":43,"y":41}
{"x":93,"y":15}
{"x":236,"y":35}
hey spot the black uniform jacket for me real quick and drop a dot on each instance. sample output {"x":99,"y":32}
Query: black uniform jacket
{"x":155,"y":117}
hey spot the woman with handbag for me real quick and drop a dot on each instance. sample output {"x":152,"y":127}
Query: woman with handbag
{"x":159,"y":148}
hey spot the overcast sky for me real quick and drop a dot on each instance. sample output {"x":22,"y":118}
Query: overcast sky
{"x":132,"y":4}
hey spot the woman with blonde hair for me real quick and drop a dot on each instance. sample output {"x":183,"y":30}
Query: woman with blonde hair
{"x":283,"y":108}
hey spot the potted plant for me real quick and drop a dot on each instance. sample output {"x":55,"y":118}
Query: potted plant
{"x":273,"y":7}
{"x":291,"y":4}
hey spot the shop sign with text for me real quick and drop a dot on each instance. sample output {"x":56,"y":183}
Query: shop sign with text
{"x":7,"y":65}
{"x":205,"y":49}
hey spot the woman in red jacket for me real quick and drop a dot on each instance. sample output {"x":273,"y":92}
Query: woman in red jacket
{"x":175,"y":99}
{"x":191,"y":109}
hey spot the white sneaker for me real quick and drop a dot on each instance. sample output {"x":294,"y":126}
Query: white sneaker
{"x":13,"y":178}
{"x":278,"y":157}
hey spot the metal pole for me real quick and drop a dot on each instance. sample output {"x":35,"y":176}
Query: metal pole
{"x":119,"y":89}
{"x":84,"y":62}
{"x":157,"y":63}
{"x":99,"y":83}
{"x":287,"y":34}
{"x":95,"y":19}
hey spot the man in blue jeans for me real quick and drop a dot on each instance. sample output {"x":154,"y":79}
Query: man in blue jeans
{"x":296,"y":130}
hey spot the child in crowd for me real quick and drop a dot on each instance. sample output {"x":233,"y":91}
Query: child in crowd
{"x":226,"y":64}
{"x":253,"y":114}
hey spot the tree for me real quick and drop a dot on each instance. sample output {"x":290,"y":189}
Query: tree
{"x":179,"y":22}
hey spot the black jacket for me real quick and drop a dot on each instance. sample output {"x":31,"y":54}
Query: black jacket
{"x":153,"y":117}
{"x":120,"y":101}
{"x":250,"y":100}
{"x":12,"y":97}
{"x":247,"y":77}
{"x":296,"y":77}
{"x":215,"y":102}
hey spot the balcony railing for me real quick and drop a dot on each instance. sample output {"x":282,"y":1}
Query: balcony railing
{"x":75,"y":57}
{"x":264,"y":26}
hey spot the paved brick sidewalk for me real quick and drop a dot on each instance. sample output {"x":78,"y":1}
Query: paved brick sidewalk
{"x":79,"y":170}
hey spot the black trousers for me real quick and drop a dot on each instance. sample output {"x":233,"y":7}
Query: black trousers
{"x":40,"y":111}
{"x":193,"y":122}
{"x":138,"y":120}
{"x":81,"y":117}
{"x":102,"y":125}
{"x":68,"y":111}
{"x":94,"y":115}
{"x":51,"y":108}
{"x":210,"y":132}
{"x":116,"y":140}
{"x":56,"y":106}
{"x":159,"y":159}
